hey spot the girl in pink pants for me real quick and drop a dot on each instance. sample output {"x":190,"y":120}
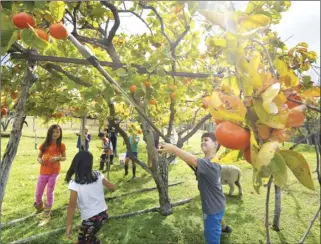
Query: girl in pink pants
{"x":52,"y":152}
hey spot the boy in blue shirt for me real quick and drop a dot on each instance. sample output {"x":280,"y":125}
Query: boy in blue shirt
{"x":209,"y":184}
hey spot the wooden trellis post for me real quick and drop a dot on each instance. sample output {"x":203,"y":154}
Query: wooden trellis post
{"x":82,"y":134}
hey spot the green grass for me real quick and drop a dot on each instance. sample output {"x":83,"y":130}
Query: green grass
{"x":185,"y":225}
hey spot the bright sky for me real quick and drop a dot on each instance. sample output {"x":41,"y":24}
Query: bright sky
{"x":301,"y":21}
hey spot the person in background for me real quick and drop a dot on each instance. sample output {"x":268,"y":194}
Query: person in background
{"x":87,"y":139}
{"x":113,"y":138}
{"x":52,"y":152}
{"x":107,"y":153}
{"x":133,"y":140}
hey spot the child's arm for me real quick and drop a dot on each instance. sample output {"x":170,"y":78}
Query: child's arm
{"x":109,"y":185}
{"x":39,"y":158}
{"x":61,"y":158}
{"x":71,"y":211}
{"x":187,"y":157}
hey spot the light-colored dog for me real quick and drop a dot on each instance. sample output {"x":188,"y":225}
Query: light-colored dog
{"x":231,"y":175}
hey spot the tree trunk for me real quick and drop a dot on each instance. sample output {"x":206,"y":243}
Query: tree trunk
{"x":15,"y":135}
{"x":277,"y":209}
{"x":160,"y":175}
{"x":159,"y":169}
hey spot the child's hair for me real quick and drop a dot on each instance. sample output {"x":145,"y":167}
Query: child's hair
{"x":81,"y":166}
{"x":49,"y":137}
{"x":101,"y":134}
{"x":209,"y":135}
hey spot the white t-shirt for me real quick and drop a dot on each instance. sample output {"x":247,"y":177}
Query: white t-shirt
{"x":91,"y":198}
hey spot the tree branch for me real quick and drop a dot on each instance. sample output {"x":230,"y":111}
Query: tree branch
{"x":308,"y":106}
{"x":115,"y":27}
{"x":140,"y":69}
{"x":268,"y":57}
{"x":310,"y":226}
{"x":77,"y":80}
{"x":174,"y":45}
{"x":193,"y":130}
{"x":160,"y":20}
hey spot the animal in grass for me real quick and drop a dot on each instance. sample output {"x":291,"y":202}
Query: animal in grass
{"x":231,"y":175}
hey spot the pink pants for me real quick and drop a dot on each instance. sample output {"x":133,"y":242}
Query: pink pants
{"x":50,"y":181}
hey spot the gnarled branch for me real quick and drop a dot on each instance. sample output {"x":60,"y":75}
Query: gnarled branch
{"x":193,"y":130}
{"x":115,"y":27}
{"x":160,"y":20}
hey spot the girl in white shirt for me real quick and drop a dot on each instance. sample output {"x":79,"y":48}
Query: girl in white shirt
{"x":87,"y":192}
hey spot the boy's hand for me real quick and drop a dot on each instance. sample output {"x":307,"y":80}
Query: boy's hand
{"x":166,"y":147}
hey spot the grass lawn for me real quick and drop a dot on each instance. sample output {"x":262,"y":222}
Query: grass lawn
{"x":185,"y":225}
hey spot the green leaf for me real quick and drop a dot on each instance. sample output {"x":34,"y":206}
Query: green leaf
{"x":161,"y":72}
{"x":98,"y":12}
{"x":6,"y":5}
{"x":8,"y":37}
{"x":57,"y":9}
{"x":29,"y":37}
{"x":40,"y":4}
{"x":29,"y":5}
{"x":299,"y":167}
{"x":278,"y":169}
{"x":6,"y":22}
{"x":121,"y":72}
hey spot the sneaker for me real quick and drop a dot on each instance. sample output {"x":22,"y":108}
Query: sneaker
{"x":228,"y":229}
{"x":39,"y":207}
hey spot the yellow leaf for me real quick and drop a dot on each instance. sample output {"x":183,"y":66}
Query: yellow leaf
{"x":247,"y":86}
{"x":277,"y":121}
{"x":265,"y":154}
{"x":281,"y":67}
{"x":312,"y":92}
{"x":229,"y":157}
{"x":278,"y":169}
{"x":255,"y":60}
{"x":232,"y":83}
{"x":214,"y":100}
{"x":299,"y":167}
{"x":268,"y":95}
{"x":280,"y":99}
{"x":231,"y":40}
{"x":253,"y":22}
{"x":219,"y":42}
{"x":243,"y":66}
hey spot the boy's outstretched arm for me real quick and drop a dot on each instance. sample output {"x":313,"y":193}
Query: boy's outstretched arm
{"x":187,"y":157}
